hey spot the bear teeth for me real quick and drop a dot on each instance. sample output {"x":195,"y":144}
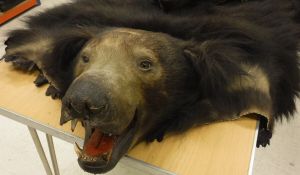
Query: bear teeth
{"x":88,"y":158}
{"x":83,"y":156}
{"x":74,"y":124}
{"x":78,"y":150}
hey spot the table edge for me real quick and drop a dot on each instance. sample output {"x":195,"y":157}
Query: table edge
{"x":41,"y":127}
{"x":250,"y":171}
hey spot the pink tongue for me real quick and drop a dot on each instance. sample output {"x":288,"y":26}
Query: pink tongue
{"x":99,"y":144}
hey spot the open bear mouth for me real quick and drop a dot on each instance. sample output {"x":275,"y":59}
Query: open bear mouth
{"x":102,"y":151}
{"x":97,"y":145}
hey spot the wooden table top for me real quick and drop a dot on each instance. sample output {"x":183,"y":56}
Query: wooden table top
{"x":220,"y":148}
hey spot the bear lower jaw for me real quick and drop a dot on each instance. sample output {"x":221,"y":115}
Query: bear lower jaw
{"x":106,"y":160}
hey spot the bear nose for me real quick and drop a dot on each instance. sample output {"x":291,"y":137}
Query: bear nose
{"x":84,"y":100}
{"x":81,"y":106}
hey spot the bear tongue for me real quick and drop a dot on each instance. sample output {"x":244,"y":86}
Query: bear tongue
{"x":98,"y":144}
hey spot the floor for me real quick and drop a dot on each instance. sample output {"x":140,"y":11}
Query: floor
{"x":18,"y":155}
{"x":283,"y":156}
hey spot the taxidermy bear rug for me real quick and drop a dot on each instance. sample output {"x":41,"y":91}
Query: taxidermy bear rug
{"x":134,"y":70}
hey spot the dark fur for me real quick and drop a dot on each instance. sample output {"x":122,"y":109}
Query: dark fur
{"x":177,"y":5}
{"x":252,"y":33}
{"x":264,"y":33}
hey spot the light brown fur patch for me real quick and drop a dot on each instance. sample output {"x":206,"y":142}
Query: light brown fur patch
{"x":256,"y":79}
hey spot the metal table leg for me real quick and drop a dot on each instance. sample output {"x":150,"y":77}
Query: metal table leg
{"x":40,"y":150}
{"x":52,"y":154}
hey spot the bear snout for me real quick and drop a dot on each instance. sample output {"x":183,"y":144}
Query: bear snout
{"x":86,"y":100}
{"x":94,"y":102}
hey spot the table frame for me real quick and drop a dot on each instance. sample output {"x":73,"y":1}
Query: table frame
{"x":33,"y":126}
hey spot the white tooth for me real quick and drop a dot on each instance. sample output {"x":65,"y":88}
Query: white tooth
{"x":78,"y":150}
{"x":110,"y":134}
{"x":89,"y":158}
{"x":74,"y":124}
{"x":109,"y":155}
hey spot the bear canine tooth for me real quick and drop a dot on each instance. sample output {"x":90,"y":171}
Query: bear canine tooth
{"x":74,"y":124}
{"x":65,"y":118}
{"x":78,"y":150}
{"x":109,"y":155}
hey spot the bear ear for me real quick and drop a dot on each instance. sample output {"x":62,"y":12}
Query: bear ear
{"x":67,"y":48}
{"x":215,"y":64}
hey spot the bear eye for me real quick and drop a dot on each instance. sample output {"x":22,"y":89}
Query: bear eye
{"x":145,"y":65}
{"x":85,"y":59}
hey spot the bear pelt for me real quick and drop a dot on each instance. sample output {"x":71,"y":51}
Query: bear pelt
{"x":135,"y":70}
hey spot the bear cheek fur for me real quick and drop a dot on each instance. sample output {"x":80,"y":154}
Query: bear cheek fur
{"x":166,"y":98}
